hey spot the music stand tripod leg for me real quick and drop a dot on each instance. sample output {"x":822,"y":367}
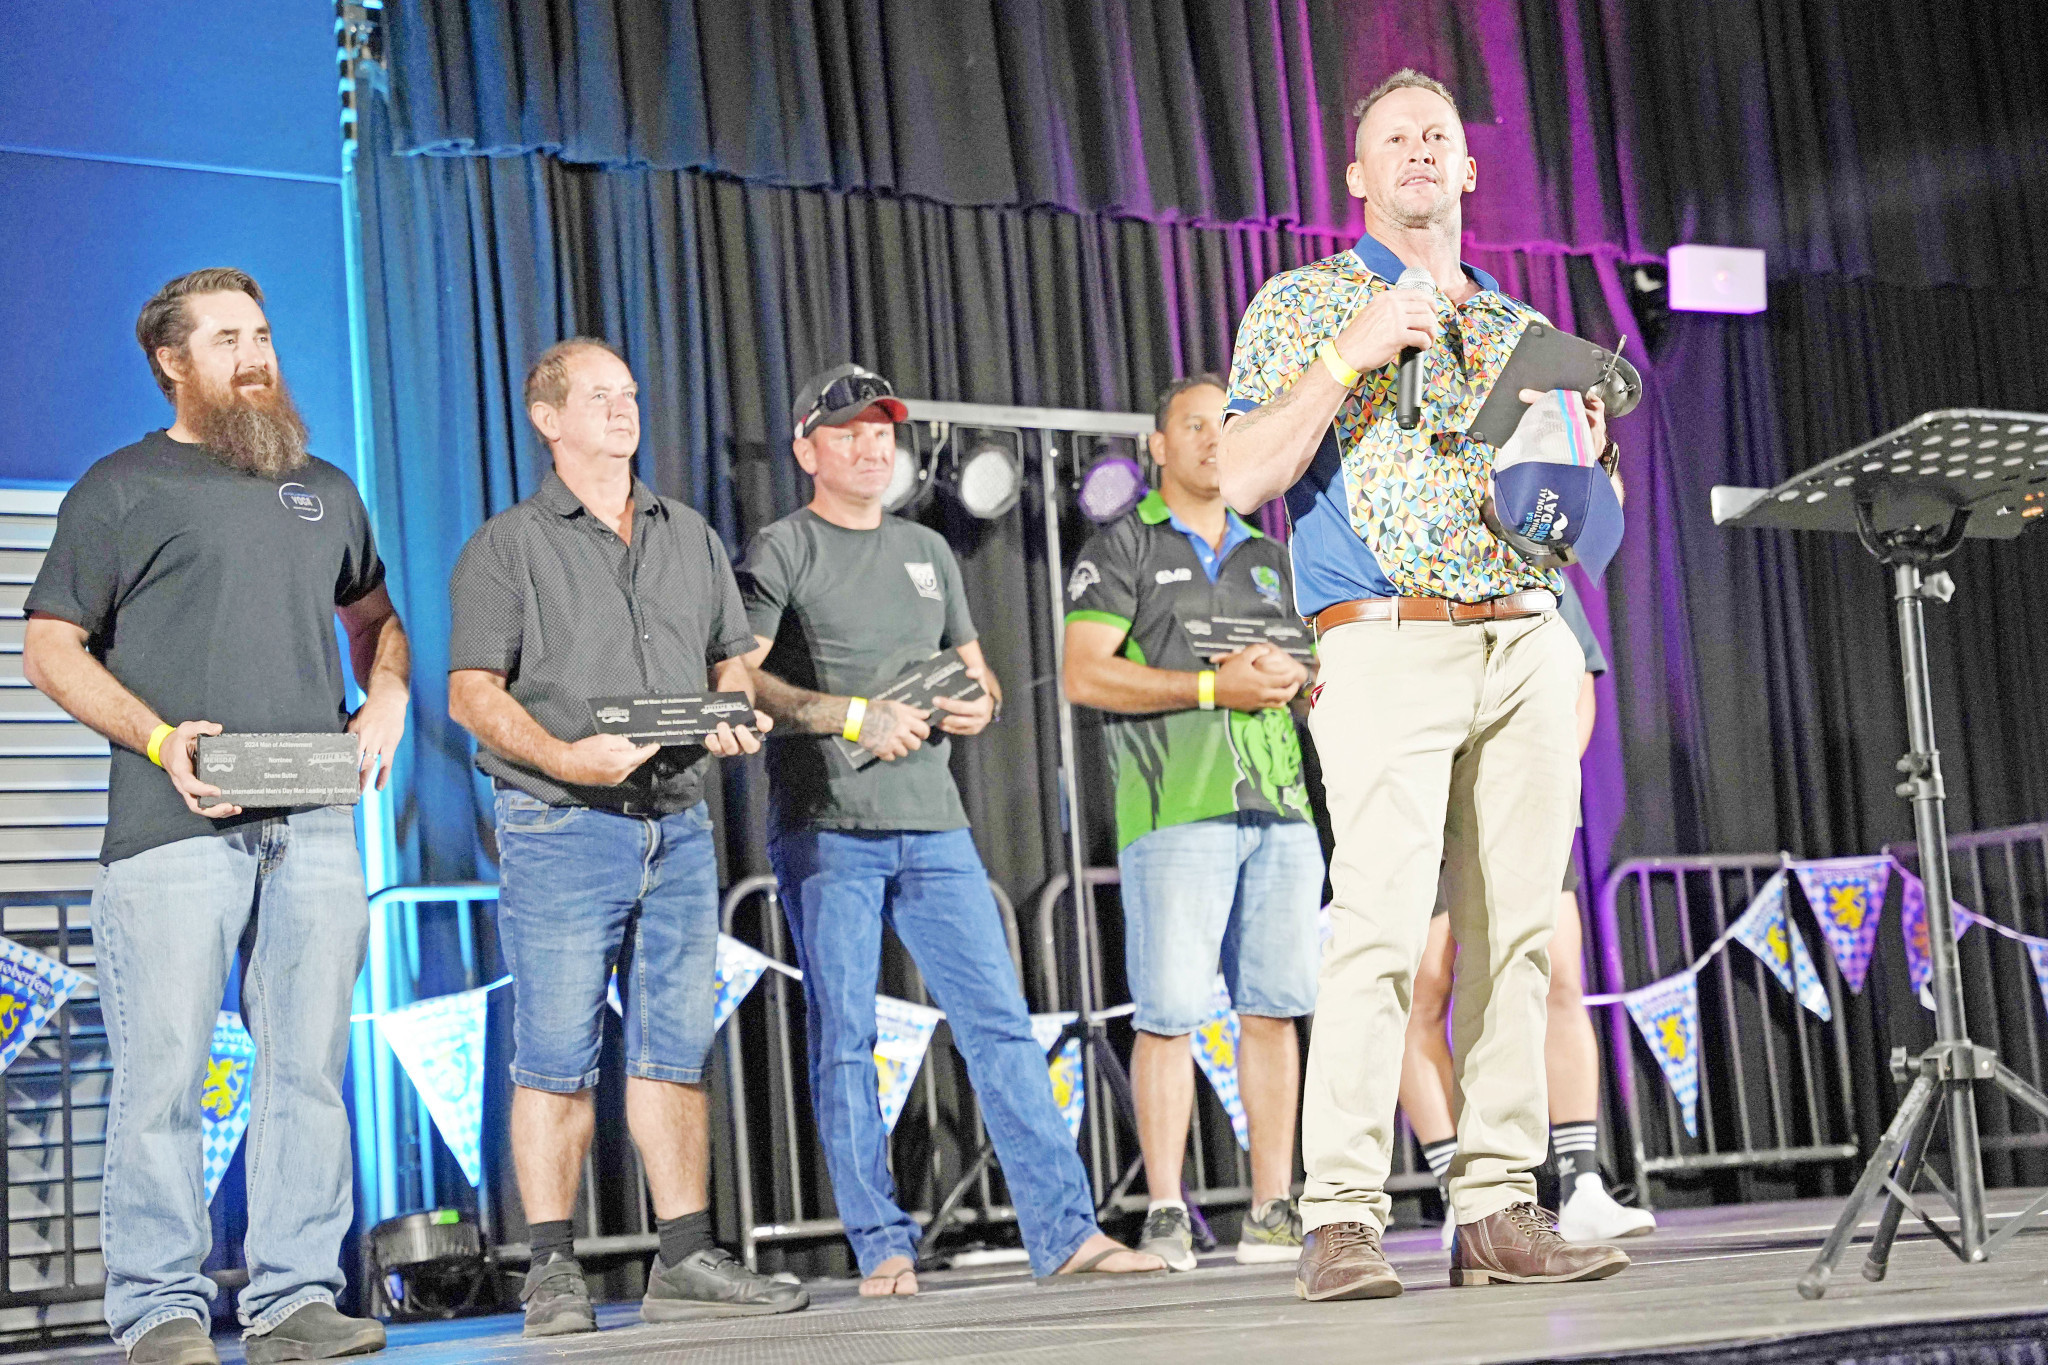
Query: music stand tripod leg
{"x":1915,"y":1115}
{"x":1911,"y":1157}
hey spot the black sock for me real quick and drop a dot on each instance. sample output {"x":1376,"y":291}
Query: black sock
{"x":551,"y":1239}
{"x":1577,"y":1146}
{"x":684,"y":1236}
{"x":1438,"y":1156}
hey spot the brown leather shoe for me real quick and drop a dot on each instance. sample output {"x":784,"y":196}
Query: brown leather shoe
{"x":1343,"y":1261}
{"x":1520,"y":1245}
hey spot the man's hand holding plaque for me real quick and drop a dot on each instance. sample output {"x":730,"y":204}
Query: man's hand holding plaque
{"x":725,"y":723}
{"x":269,"y":770}
{"x":899,"y":717}
{"x":1215,"y":636}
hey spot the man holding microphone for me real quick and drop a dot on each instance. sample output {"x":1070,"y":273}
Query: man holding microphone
{"x":1444,"y":710}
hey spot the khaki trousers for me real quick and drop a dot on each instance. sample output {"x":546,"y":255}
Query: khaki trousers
{"x":1452,"y":745}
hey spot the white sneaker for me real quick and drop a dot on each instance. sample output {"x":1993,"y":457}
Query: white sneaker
{"x":1590,"y":1215}
{"x":1450,"y":1231}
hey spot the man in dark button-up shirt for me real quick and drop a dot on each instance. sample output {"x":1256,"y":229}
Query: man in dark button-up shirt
{"x":595,"y":587}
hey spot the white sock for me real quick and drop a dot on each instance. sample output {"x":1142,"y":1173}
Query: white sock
{"x":1159,"y":1204}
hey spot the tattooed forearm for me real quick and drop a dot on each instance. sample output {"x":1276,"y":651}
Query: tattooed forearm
{"x":813,"y":713}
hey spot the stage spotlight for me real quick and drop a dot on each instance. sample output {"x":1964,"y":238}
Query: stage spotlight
{"x":987,"y":480}
{"x":910,"y":480}
{"x":1110,"y":487}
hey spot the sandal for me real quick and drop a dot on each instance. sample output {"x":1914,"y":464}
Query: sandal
{"x":893,"y":1279}
{"x":1088,"y":1270}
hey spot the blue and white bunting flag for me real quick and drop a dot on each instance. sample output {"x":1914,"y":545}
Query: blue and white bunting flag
{"x":440,"y":1043}
{"x":739,"y":967}
{"x":2037,"y":953}
{"x":1667,"y":1013}
{"x":737,"y":970}
{"x":1847,"y":896}
{"x":1913,"y":927}
{"x":1768,"y":931}
{"x":1069,"y":1086}
{"x":1214,"y":1043}
{"x":902,"y":1033}
{"x":33,"y":987}
{"x":224,"y":1096}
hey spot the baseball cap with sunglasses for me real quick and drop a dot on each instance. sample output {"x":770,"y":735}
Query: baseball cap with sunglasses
{"x":841,"y":394}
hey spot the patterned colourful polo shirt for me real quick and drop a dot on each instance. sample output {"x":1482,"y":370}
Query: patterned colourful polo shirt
{"x":1382,"y":511}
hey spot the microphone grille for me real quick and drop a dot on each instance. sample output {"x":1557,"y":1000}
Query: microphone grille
{"x":1415,"y":277}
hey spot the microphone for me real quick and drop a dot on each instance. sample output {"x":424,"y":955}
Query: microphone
{"x":1408,"y":386}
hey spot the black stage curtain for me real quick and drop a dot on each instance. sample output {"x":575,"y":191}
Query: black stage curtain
{"x":1758,"y":671}
{"x":1181,"y":109}
{"x":1882,"y":139}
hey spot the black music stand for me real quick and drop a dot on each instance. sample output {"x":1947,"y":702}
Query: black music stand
{"x":1912,"y":496}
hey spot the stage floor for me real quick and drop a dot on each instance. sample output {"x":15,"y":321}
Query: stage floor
{"x":1708,"y":1277}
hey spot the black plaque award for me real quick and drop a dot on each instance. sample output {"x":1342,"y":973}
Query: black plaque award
{"x":1214,"y":635}
{"x":944,"y":674}
{"x":671,"y":720}
{"x":281,"y":770}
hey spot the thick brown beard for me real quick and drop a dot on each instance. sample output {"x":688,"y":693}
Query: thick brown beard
{"x":262,"y":434}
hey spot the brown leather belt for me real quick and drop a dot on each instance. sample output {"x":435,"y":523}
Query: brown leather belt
{"x":1510,"y":608}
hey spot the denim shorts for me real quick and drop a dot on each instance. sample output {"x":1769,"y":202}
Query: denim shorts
{"x":583,"y":891}
{"x":1238,"y":892}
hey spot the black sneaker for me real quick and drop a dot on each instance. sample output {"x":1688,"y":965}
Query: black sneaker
{"x":319,"y":1331}
{"x":557,"y":1301}
{"x":180,"y":1341}
{"x":715,"y":1281}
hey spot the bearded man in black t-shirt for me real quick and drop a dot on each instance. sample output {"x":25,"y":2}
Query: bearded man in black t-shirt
{"x":191,"y":587}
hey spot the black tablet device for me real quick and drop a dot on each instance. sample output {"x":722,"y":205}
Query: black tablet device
{"x":1545,"y":359}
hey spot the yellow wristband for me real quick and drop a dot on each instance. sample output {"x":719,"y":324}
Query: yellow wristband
{"x":1334,"y":363}
{"x":856,"y":712}
{"x":1205,"y":689}
{"x":156,"y":742}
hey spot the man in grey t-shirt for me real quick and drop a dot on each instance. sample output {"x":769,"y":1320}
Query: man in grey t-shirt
{"x":841,"y":598}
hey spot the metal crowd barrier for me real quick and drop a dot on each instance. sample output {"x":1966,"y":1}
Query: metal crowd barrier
{"x":2002,"y":874}
{"x":1221,"y":1170}
{"x":767,"y":1086}
{"x":395,"y":1170}
{"x":51,"y":1275}
{"x":1775,"y":1084}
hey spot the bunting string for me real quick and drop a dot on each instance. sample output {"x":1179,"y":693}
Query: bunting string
{"x":1847,"y":897}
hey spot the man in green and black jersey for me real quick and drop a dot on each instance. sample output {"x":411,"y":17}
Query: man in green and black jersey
{"x":1220,"y":861}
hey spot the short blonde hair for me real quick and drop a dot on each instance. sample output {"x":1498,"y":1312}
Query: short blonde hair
{"x":548,"y":380}
{"x":1407,"y":78}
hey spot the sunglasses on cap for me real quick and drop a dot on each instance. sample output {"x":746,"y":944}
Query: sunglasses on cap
{"x":847,"y":396}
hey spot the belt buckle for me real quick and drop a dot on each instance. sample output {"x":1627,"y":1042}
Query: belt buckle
{"x":1481,"y":613}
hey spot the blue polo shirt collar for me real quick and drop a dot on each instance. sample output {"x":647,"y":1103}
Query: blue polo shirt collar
{"x":1380,"y":259}
{"x":1236,"y":531}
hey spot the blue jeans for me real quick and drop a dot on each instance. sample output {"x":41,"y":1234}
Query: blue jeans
{"x":583,"y":890}
{"x":1237,"y":892}
{"x":836,"y":888}
{"x":166,"y":925}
